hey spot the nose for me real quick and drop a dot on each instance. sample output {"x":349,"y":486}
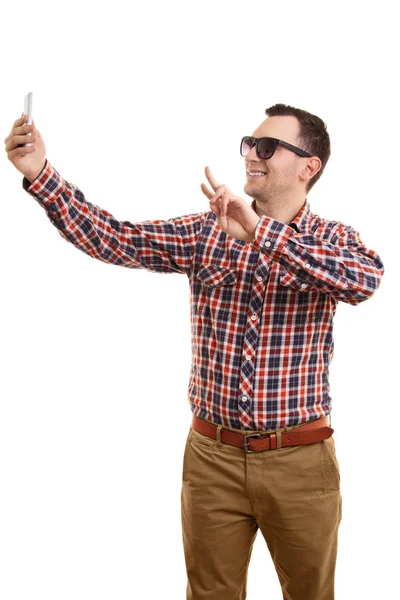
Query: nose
{"x":251,"y":156}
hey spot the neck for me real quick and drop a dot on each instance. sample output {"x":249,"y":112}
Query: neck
{"x":285,"y":213}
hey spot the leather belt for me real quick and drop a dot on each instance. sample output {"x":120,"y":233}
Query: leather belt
{"x":310,"y":432}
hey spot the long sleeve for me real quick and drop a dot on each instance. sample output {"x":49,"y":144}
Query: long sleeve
{"x":333,"y":259}
{"x":164,"y":246}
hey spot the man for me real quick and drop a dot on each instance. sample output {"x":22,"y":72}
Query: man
{"x":265,"y":281}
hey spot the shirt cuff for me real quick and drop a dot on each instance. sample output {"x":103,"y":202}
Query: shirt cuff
{"x":47,"y":186}
{"x":271,"y":235}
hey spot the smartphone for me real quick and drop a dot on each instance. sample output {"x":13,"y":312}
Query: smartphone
{"x":28,"y":111}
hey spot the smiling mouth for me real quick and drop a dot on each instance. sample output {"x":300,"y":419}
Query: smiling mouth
{"x":255,"y":174}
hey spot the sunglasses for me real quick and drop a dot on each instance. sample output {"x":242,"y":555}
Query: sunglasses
{"x":266,"y":146}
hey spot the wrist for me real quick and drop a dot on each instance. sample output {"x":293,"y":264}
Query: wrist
{"x":31,"y":176}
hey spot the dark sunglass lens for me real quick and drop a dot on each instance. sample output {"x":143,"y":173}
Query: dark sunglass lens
{"x":246,"y":146}
{"x":265,"y":147}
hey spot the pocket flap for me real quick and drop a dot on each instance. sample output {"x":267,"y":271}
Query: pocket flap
{"x":216,"y":275}
{"x":289,"y":279}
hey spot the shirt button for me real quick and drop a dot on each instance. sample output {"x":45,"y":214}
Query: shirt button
{"x":308,"y":265}
{"x":248,"y":357}
{"x":303,"y":285}
{"x":267,"y":244}
{"x":259,"y":278}
{"x":254,"y":317}
{"x":244,"y":399}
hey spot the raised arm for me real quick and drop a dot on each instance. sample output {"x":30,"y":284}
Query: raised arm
{"x":164,"y":246}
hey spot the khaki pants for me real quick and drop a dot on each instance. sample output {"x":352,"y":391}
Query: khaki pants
{"x":291,"y":494}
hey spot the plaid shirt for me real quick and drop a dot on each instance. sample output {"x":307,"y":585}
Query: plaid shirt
{"x":261,"y":312}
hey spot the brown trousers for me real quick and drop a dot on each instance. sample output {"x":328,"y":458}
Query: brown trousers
{"x":291,"y":494}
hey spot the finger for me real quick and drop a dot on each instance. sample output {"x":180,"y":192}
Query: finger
{"x":224,"y":204}
{"x":212,"y":205}
{"x":220,"y":192}
{"x":224,"y":200}
{"x":211,"y":179}
{"x":17,"y":141}
{"x":12,"y":154}
{"x":206,"y":191}
{"x":215,"y":206}
{"x":18,"y":127}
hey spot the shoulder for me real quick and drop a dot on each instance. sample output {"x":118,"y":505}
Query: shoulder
{"x":329,"y":229}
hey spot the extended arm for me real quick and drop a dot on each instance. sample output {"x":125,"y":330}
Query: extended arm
{"x":164,"y":246}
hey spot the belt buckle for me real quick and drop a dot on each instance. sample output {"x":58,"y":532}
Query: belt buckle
{"x":246,"y":443}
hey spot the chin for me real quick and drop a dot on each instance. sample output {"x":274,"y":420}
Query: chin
{"x":247,"y":188}
{"x":250,"y":191}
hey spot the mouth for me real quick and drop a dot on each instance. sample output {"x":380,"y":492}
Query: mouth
{"x":253,"y":175}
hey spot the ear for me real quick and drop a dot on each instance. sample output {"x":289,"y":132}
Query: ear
{"x":312,"y":167}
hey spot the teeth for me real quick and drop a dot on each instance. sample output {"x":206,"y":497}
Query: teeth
{"x":256,"y":173}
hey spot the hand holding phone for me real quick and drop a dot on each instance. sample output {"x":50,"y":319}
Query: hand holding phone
{"x":28,"y":158}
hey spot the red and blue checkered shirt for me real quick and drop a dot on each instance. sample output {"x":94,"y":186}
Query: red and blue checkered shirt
{"x":261,"y":312}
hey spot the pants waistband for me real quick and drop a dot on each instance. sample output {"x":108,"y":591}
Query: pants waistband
{"x":306,"y":433}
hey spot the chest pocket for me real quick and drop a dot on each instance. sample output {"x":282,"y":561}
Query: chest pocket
{"x":216,"y":293}
{"x":215,"y":275}
{"x":303,"y":302}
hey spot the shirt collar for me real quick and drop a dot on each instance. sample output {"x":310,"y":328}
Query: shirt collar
{"x":299,"y":222}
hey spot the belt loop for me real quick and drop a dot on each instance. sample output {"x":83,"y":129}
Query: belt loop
{"x":279,"y":440}
{"x":219,"y":443}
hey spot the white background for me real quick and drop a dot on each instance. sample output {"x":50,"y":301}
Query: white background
{"x":132,"y":102}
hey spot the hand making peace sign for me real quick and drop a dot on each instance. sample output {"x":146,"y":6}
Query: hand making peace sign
{"x":235,"y":216}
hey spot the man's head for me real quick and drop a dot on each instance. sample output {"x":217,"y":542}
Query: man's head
{"x":288,"y":176}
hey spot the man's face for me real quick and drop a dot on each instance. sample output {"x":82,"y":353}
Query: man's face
{"x":281,"y":172}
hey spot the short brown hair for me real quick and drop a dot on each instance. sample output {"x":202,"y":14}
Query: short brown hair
{"x":313,"y":135}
